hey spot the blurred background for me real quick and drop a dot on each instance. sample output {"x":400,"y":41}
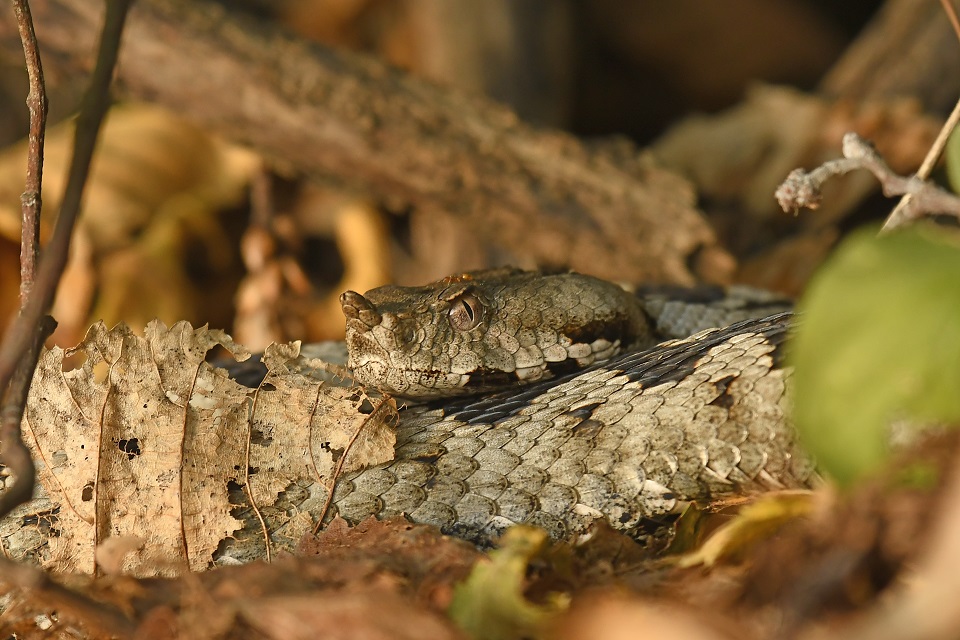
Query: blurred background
{"x":180,"y":224}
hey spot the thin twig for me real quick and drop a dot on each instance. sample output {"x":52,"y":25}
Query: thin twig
{"x":802,"y":189}
{"x":30,"y":201}
{"x":15,"y":454}
{"x":905,"y":212}
{"x":901,"y":214}
{"x":952,"y":15}
{"x":92,"y":109}
{"x":385,"y":401}
{"x":246,"y":472}
{"x":21,"y":345}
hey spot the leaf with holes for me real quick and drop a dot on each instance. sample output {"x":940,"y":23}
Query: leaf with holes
{"x":146,"y":439}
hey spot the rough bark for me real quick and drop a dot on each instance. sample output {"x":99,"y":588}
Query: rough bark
{"x":908,"y":49}
{"x":542,"y":194}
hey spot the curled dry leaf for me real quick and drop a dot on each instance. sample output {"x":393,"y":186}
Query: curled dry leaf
{"x":755,"y":522}
{"x":152,"y":447}
{"x":490,"y":603}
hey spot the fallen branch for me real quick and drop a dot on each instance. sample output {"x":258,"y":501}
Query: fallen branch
{"x":353,"y":120}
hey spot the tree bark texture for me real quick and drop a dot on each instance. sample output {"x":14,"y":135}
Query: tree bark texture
{"x":908,"y":49}
{"x":607,"y":210}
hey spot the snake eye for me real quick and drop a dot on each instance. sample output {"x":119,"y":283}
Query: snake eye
{"x":465,"y":312}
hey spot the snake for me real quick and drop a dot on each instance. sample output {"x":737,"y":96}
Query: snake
{"x":561,"y":400}
{"x":555,"y":400}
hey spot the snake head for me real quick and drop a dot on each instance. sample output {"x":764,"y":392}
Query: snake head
{"x":487,"y":330}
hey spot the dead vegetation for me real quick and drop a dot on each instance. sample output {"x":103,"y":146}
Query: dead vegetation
{"x":242,"y":161}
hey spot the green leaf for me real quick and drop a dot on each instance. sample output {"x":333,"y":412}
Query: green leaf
{"x":878,"y":342}
{"x":490,"y":603}
{"x":756,"y":521}
{"x":952,"y":162}
{"x":687,"y":530}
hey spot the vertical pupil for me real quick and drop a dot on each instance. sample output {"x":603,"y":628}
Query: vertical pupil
{"x":468,"y":309}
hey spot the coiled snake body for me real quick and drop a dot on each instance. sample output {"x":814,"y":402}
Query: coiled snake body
{"x":621,"y":439}
{"x":555,"y":401}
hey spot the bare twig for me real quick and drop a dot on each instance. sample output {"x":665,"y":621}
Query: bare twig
{"x":952,"y":15}
{"x":30,"y":201}
{"x":15,"y":454}
{"x":802,"y":189}
{"x":385,"y":402}
{"x":906,"y":211}
{"x":903,"y":212}
{"x":20,"y":348}
{"x":267,"y":545}
{"x":92,"y":109}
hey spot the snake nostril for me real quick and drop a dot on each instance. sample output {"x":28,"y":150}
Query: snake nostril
{"x":408,"y":334}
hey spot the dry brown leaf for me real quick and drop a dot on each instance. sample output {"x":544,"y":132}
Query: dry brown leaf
{"x":122,"y":454}
{"x":144,"y":439}
{"x":287,"y":405}
{"x":742,"y":154}
{"x":148,"y":159}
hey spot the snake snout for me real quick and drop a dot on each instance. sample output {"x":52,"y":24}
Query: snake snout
{"x":357,"y":308}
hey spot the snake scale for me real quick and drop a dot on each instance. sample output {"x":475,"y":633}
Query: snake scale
{"x":550,"y":400}
{"x":560,"y":400}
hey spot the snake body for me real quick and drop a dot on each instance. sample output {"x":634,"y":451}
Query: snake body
{"x":623,"y":440}
{"x":550,"y":400}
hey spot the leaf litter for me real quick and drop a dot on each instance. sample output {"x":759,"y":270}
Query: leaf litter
{"x":152,"y":449}
{"x":138,"y":450}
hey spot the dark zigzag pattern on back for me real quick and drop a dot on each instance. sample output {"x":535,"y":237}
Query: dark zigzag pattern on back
{"x":649,"y":367}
